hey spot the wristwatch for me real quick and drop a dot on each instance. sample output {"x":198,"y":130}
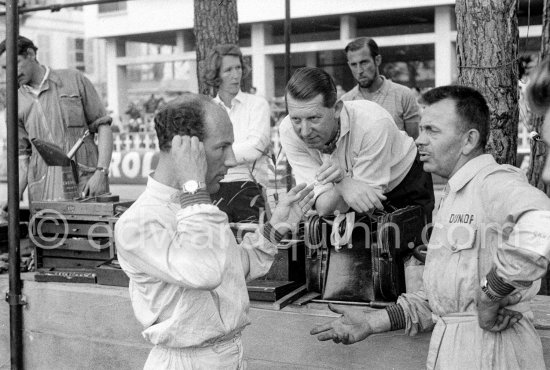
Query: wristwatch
{"x":103,"y":170}
{"x":485,"y":289}
{"x":192,"y":186}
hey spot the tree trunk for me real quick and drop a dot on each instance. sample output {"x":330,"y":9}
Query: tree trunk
{"x":538,"y":150}
{"x":216,"y":22}
{"x":487,"y":50}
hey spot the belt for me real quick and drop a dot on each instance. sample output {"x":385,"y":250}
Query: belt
{"x":229,"y":337}
{"x":211,"y":344}
{"x":458,"y":318}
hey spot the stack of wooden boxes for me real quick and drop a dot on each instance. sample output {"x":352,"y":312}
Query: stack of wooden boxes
{"x":74,"y":236}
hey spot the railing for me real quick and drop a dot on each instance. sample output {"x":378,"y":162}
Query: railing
{"x":135,"y":141}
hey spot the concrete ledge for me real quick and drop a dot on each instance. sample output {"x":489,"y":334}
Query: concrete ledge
{"x":82,"y":326}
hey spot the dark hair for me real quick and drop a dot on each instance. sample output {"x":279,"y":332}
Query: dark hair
{"x":308,"y":82}
{"x":523,"y":64}
{"x":184,"y":115}
{"x":23,"y":44}
{"x":360,"y":43}
{"x":538,"y":90}
{"x":213,"y":63}
{"x":470,"y":106}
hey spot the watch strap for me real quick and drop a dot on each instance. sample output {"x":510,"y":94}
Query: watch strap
{"x":105,"y":170}
{"x":188,"y":199}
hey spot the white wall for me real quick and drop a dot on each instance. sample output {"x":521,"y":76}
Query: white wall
{"x":143,"y":16}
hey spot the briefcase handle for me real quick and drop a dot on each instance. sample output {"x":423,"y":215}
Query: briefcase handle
{"x":420,"y":252}
{"x":388,"y":208}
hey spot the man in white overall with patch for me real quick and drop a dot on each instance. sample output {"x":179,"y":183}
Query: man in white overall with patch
{"x":489,"y":246}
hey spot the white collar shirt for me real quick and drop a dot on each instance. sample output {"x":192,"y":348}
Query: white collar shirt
{"x":370,"y":148}
{"x":250,"y":116}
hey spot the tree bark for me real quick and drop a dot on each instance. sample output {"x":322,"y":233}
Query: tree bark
{"x":216,"y":22}
{"x":487,"y":50}
{"x":538,"y":150}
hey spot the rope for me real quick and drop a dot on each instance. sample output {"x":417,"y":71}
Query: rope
{"x":491,"y":67}
{"x":337,"y":239}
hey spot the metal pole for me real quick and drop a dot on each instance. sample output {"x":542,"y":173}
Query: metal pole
{"x":13,"y":297}
{"x":288,"y":31}
{"x":57,"y":7}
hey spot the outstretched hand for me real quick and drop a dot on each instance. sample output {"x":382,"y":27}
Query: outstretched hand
{"x":291,"y":208}
{"x":349,"y":328}
{"x":493,"y":316}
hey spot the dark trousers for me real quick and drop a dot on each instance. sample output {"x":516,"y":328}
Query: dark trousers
{"x":415,"y":189}
{"x":241,"y":200}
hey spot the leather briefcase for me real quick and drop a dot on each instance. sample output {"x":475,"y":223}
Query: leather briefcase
{"x":359,"y":257}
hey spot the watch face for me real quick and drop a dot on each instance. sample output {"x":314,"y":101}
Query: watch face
{"x":191,"y":186}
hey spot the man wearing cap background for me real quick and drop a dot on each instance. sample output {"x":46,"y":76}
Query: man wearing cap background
{"x":58,"y":106}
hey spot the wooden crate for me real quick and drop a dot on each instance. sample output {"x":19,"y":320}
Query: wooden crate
{"x":72,"y":241}
{"x":80,"y":208}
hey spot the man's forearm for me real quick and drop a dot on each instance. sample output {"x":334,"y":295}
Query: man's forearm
{"x":105,"y":146}
{"x":381,"y":321}
{"x":330,"y":201}
{"x":23,"y":172}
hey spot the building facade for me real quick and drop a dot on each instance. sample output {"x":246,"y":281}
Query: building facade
{"x":149,"y":52}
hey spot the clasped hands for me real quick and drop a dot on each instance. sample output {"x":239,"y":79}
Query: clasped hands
{"x":357,"y":194}
{"x":494,"y":316}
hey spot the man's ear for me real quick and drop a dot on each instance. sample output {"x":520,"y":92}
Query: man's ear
{"x":378,"y":60}
{"x":470,"y":141}
{"x":338,"y":108}
{"x":31,"y":54}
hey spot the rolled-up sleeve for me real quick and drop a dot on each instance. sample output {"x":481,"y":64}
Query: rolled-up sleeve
{"x":523,"y":212}
{"x":524,"y":256}
{"x":24,"y":144}
{"x":94,"y":110}
{"x":418,"y":315}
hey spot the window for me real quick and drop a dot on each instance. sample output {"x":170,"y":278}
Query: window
{"x":76,"y":54}
{"x":43,"y":44}
{"x":36,"y":2}
{"x":89,"y":56}
{"x":112,"y":7}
